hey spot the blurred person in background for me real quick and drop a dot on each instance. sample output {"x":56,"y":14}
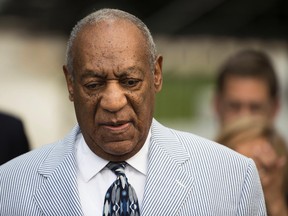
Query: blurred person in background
{"x":14,"y":141}
{"x":256,"y":138}
{"x":246,"y":84}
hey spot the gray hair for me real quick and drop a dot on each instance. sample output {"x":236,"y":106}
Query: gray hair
{"x":108,"y":14}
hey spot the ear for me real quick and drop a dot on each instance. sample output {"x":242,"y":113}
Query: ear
{"x":69,"y":82}
{"x":217,"y":105}
{"x":158,"y":74}
{"x":276,"y":107}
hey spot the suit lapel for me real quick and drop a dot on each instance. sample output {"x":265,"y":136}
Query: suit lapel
{"x":58,"y":195}
{"x":167,"y":184}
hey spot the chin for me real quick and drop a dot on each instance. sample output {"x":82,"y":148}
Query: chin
{"x":120,"y":148}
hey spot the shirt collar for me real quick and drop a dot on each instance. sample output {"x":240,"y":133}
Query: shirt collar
{"x":89,"y":164}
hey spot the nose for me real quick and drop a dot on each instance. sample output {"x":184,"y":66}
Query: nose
{"x":113,"y":98}
{"x":245,"y":110}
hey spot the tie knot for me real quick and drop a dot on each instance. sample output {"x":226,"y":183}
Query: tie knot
{"x":117,"y":168}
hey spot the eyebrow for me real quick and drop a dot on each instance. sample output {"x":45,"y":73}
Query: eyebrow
{"x":90,"y":73}
{"x":133,"y":69}
{"x":103,"y":75}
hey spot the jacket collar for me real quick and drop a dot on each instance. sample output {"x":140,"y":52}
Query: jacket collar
{"x":167,"y":183}
{"x":58,"y":195}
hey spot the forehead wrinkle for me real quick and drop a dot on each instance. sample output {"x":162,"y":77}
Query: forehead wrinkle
{"x":117,"y":73}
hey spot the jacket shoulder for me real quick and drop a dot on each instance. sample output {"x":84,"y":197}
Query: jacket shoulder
{"x":49,"y":154}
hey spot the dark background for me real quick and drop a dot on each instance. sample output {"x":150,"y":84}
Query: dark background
{"x":237,"y":18}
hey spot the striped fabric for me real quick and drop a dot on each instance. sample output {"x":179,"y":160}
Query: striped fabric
{"x":205,"y":179}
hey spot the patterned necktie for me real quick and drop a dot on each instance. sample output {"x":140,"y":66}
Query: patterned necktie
{"x":120,"y":198}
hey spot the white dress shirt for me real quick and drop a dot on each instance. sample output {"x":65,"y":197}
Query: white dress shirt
{"x":94,"y":178}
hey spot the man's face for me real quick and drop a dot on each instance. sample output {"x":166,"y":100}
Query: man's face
{"x":113,"y":88}
{"x":242,"y":97}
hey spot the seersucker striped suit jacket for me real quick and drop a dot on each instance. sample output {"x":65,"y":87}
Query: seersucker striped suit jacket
{"x":187,"y":175}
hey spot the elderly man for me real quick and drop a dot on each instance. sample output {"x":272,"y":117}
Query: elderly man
{"x":113,"y":73}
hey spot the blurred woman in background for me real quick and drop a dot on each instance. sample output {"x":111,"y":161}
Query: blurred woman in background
{"x":256,"y":138}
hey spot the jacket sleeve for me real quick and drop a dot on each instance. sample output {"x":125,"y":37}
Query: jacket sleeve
{"x":252,"y":198}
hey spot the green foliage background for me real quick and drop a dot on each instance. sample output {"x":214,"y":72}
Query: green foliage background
{"x":180,"y":96}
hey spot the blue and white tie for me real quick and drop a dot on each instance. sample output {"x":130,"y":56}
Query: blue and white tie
{"x":120,"y":198}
